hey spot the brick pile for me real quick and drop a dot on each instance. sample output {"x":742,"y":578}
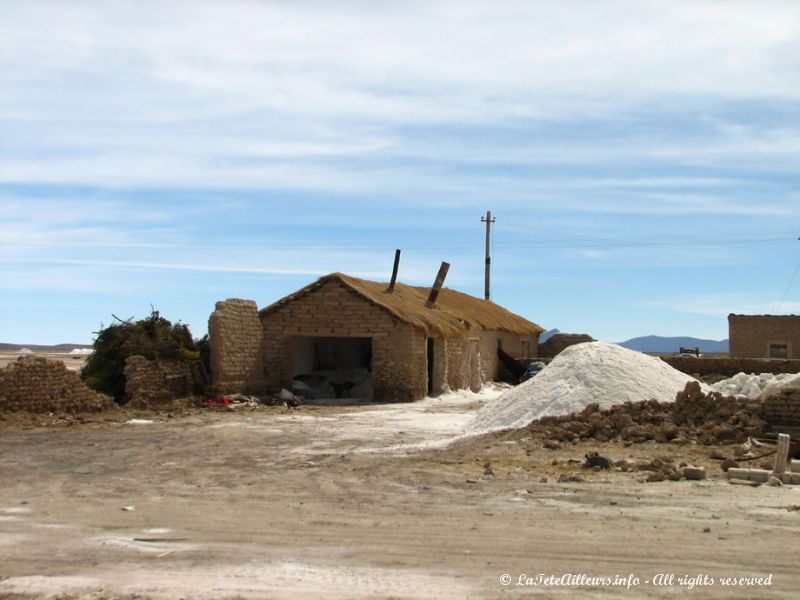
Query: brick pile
{"x":236,"y":346}
{"x":38,"y":385}
{"x":694,"y":416}
{"x":150,"y":383}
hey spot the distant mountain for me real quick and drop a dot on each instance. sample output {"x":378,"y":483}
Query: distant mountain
{"x":57,"y":348}
{"x":547,"y":335}
{"x":655,"y":343}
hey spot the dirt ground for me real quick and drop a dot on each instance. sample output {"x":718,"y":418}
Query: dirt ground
{"x":74,"y":362}
{"x":367,"y":502}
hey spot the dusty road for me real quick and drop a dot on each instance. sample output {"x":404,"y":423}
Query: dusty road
{"x":341,"y":502}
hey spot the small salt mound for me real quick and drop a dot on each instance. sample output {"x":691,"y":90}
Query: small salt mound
{"x":81,"y":351}
{"x":591,"y":372}
{"x":24,"y":351}
{"x":752,"y":386}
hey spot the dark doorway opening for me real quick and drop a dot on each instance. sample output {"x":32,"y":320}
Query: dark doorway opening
{"x":332,"y":367}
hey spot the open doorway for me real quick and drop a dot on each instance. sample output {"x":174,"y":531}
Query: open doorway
{"x":327,"y":368}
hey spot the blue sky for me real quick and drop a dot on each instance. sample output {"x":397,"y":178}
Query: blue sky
{"x":641,"y":158}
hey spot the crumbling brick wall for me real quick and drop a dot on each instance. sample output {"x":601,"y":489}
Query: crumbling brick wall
{"x":36,"y":384}
{"x":751,"y":335}
{"x":236,"y":346}
{"x":782,"y":407}
{"x":457,"y":352}
{"x":150,"y":382}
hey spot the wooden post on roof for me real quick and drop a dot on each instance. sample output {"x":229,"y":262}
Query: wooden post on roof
{"x":394,"y":271}
{"x":437,"y":285}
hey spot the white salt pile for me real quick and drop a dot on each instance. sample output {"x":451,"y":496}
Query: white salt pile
{"x":591,"y":372}
{"x":81,"y":351}
{"x":748,"y":385}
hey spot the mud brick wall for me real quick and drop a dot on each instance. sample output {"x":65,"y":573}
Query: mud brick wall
{"x":472,"y":360}
{"x":399,"y":367}
{"x":399,"y":350}
{"x":751,"y":335}
{"x":457,"y":351}
{"x":36,"y":384}
{"x":492,"y":368}
{"x":730,"y":366}
{"x":236,"y":346}
{"x":782,"y":407}
{"x":150,"y":382}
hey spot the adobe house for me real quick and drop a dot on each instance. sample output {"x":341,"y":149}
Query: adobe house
{"x":358,"y":338}
{"x":764,"y":336}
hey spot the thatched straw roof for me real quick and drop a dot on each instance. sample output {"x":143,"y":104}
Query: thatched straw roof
{"x":453,"y":314}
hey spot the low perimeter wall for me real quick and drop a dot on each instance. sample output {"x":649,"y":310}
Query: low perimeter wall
{"x":731,"y":366}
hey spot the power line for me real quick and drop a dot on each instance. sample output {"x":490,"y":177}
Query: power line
{"x":672,"y":242}
{"x":788,"y":287}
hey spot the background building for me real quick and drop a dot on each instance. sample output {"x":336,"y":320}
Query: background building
{"x":764,"y":336}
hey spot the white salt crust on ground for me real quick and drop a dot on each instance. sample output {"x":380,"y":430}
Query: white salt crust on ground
{"x":752,"y":386}
{"x":591,"y":372}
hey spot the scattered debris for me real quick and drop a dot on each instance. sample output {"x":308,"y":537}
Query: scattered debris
{"x":747,"y":482}
{"x":717,"y":454}
{"x":289,"y":399}
{"x":693,"y":473}
{"x":593,"y":459}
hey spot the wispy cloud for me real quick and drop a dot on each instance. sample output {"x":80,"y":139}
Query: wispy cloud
{"x":279,"y":95}
{"x":149,"y":145}
{"x":721,"y":305}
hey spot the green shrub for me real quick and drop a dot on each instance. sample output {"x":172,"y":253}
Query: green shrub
{"x":154,"y":338}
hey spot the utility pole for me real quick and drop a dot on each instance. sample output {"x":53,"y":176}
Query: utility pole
{"x":487,"y":290}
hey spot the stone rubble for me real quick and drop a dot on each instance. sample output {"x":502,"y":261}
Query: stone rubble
{"x":706,"y":418}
